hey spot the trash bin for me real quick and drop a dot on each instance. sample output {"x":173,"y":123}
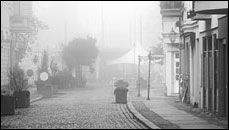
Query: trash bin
{"x":121,"y":95}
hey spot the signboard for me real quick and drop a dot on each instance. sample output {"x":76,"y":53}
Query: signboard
{"x":30,"y":72}
{"x":44,"y":76}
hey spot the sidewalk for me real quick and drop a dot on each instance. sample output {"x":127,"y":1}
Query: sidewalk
{"x":161,"y":112}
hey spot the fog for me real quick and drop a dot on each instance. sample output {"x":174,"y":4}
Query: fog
{"x":118,"y":22}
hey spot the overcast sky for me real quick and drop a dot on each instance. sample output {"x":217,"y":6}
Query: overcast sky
{"x":82,"y":18}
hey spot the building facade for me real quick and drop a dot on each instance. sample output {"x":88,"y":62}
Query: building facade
{"x":5,"y":41}
{"x":170,"y":11}
{"x":15,"y":27}
{"x":204,"y":55}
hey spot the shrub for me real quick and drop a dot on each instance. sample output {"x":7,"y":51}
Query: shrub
{"x":18,"y":81}
{"x":62,"y":79}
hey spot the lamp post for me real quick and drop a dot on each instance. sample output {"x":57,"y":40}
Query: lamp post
{"x":149,"y":57}
{"x":139,"y":61}
{"x":172,"y":36}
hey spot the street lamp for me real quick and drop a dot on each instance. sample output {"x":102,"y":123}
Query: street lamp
{"x":172,"y":36}
{"x":149,"y":57}
{"x":139,"y":61}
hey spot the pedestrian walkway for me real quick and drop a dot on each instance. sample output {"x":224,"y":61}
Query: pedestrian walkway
{"x":164,"y":115}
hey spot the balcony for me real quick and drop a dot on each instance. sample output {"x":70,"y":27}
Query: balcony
{"x":170,"y":4}
{"x":20,"y":24}
{"x":211,"y":7}
{"x":170,"y":8}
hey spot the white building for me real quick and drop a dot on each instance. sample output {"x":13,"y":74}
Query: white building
{"x":5,"y":41}
{"x":15,"y":25}
{"x":170,"y":11}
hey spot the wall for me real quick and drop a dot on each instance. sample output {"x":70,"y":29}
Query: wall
{"x":170,"y":71}
{"x":5,"y":45}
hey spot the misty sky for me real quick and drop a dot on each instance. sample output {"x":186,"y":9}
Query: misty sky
{"x":82,"y":18}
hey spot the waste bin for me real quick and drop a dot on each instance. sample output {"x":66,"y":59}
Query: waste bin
{"x":121,"y":95}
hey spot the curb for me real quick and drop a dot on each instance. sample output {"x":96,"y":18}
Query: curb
{"x":140,"y":117}
{"x":36,"y":99}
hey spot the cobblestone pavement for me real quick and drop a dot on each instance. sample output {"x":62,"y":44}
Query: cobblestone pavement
{"x":85,"y":108}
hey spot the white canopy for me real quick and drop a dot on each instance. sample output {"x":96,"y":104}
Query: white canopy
{"x":130,"y":57}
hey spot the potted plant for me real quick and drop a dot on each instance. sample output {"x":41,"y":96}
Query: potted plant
{"x":7,"y":100}
{"x":20,"y":86}
{"x":43,"y":84}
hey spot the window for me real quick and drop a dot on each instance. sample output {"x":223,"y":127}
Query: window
{"x":177,"y":55}
{"x":177,"y":71}
{"x":209,"y":42}
{"x":204,"y":44}
{"x":177,"y":64}
{"x":177,"y":77}
{"x":215,"y":42}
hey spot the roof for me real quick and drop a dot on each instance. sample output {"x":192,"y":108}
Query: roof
{"x":131,"y":57}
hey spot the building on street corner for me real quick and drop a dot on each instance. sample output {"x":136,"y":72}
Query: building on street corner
{"x":170,"y":11}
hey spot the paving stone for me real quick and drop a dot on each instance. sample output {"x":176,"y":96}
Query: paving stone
{"x":79,"y":108}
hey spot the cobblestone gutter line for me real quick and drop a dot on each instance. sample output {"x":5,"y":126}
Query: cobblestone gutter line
{"x":140,"y":118}
{"x":153,"y":117}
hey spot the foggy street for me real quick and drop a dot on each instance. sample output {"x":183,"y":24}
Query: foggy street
{"x":84,"y":108}
{"x":114,"y":64}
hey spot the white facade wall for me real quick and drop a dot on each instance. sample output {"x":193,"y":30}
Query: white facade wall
{"x":5,"y":45}
{"x":172,"y":85}
{"x":168,"y":73}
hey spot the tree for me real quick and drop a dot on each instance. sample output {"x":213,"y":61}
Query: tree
{"x":80,"y":52}
{"x":29,"y":37}
{"x":44,"y":63}
{"x":53,"y":67}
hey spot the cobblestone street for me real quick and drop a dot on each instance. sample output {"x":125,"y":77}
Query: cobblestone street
{"x":90,"y":107}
